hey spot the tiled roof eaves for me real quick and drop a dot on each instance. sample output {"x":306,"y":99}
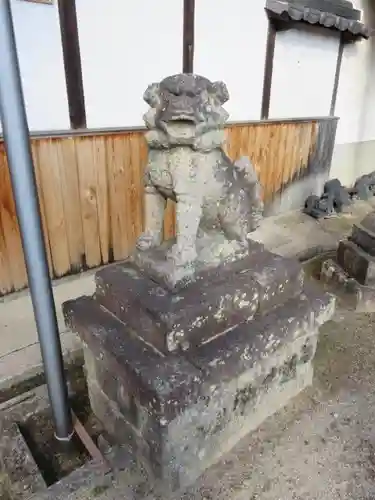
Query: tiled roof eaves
{"x":285,"y":11}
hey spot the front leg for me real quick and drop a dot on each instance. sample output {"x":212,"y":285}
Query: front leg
{"x":154,"y":217}
{"x":188,"y":217}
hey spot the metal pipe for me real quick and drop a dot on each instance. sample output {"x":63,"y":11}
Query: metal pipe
{"x":17,"y":145}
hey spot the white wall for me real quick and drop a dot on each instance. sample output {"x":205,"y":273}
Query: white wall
{"x":351,"y":95}
{"x":125,"y":46}
{"x":355,"y":141}
{"x":303,"y":73}
{"x":230,"y":45}
{"x":39,"y":49}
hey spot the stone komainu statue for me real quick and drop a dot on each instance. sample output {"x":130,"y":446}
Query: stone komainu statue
{"x":216,"y":200}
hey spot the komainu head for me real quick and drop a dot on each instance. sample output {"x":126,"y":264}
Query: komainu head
{"x":186,"y":105}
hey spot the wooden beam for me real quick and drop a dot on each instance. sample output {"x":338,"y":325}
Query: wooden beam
{"x":337,"y":75}
{"x":268,"y":70}
{"x":188,"y":39}
{"x":72,"y":63}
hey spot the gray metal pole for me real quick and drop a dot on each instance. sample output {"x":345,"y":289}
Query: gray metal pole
{"x":17,"y":145}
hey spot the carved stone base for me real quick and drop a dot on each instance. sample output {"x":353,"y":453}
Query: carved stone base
{"x":181,"y":412}
{"x":357,"y":263}
{"x":219,"y":299}
{"x":212,"y":251}
{"x":353,"y":270}
{"x":356,"y":297}
{"x":356,"y":255}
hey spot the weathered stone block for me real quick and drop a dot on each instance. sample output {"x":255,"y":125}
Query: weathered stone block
{"x":165,"y":384}
{"x":363,"y":234}
{"x":356,"y":262}
{"x":181,"y":412}
{"x":20,"y":473}
{"x":233,"y":294}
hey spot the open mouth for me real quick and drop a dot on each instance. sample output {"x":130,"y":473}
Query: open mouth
{"x":180,"y":128}
{"x":184,"y":119}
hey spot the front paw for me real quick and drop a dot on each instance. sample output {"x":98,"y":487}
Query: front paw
{"x":148,"y":240}
{"x":182,"y":256}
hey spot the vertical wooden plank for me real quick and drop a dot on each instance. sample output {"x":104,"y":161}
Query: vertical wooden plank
{"x":135,"y":186}
{"x":8,"y":233}
{"x":42,"y":204}
{"x":100,"y":160}
{"x":282,"y":157}
{"x":10,"y":228}
{"x":258,"y":152}
{"x":118,"y":161}
{"x":49,"y":169}
{"x":245,"y":145}
{"x":142,"y":166}
{"x":65,"y":149}
{"x":321,"y":152}
{"x":267,"y":137}
{"x":292,"y":166}
{"x":233,"y":141}
{"x":6,"y":281}
{"x":305,"y":139}
{"x":87,"y":173}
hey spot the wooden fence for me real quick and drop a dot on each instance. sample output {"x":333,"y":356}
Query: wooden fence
{"x":90,"y":188}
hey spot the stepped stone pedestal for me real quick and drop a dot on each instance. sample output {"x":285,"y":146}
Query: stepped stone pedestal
{"x":191,"y":344}
{"x":183,"y":376}
{"x":353,"y":269}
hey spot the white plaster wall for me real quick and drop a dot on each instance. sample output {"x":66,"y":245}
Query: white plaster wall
{"x":303,"y":73}
{"x":39,"y":50}
{"x":230,"y":45}
{"x":351,"y":96}
{"x":356,"y":92}
{"x":355,"y":140}
{"x":125,"y":46}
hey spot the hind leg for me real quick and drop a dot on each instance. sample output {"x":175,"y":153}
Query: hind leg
{"x":234,"y":218}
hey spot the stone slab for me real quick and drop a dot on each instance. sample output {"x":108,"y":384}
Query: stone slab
{"x":245,"y":346}
{"x":215,"y":256}
{"x":18,"y":464}
{"x":356,"y":262}
{"x":167,"y":384}
{"x":354,"y":297}
{"x":87,"y":481}
{"x":206,"y":308}
{"x":20,"y":477}
{"x":363,"y":234}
